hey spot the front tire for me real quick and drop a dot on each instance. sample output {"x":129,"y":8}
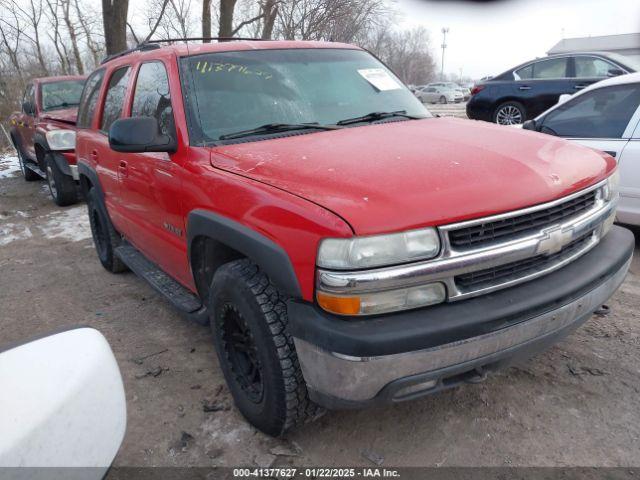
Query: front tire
{"x":256,"y":353}
{"x":510,"y":113}
{"x":28,"y":174}
{"x":443,"y":100}
{"x":62,"y":187}
{"x":105,"y":237}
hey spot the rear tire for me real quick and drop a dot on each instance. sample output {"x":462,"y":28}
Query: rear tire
{"x":62,"y":187}
{"x":510,"y":113}
{"x":105,"y":237}
{"x":256,"y":353}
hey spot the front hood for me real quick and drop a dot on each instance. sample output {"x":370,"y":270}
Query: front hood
{"x":66,"y":115}
{"x":402,"y":175}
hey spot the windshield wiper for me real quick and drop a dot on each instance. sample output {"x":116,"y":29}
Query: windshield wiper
{"x":373,"y":116}
{"x":61,"y":105}
{"x":276,"y":128}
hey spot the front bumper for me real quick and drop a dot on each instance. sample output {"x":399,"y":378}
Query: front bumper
{"x":355,"y":363}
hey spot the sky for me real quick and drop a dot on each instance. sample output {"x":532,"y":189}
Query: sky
{"x":487,"y":39}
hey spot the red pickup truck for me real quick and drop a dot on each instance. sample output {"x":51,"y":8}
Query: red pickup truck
{"x":43,"y":134}
{"x":346,"y":247}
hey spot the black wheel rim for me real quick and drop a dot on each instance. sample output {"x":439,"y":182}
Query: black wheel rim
{"x":241,"y":353}
{"x":99,"y":234}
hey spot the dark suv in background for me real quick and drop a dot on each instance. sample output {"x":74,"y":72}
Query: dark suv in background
{"x":529,"y":89}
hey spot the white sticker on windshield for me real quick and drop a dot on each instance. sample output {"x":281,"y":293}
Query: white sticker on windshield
{"x":379,"y":78}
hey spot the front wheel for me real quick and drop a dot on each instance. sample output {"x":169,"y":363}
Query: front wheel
{"x":509,"y":113}
{"x":105,"y":237}
{"x":62,"y":187}
{"x":443,"y":99}
{"x":257,"y":355}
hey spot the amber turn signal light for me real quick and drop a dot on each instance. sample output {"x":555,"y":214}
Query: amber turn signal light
{"x":339,"y":305}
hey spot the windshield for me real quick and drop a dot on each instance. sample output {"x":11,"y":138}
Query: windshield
{"x":228,"y":92}
{"x":627,"y":60}
{"x":66,"y":94}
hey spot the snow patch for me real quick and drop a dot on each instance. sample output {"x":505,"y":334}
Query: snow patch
{"x":70,"y":224}
{"x":9,"y":166}
{"x":10,"y":232}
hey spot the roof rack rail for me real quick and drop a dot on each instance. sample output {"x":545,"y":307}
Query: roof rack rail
{"x":139,"y":48}
{"x":192,"y":39}
{"x":153,"y":44}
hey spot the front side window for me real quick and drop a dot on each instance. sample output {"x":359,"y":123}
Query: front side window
{"x":593,"y":67}
{"x":114,"y":102}
{"x":57,"y":95}
{"x":229,"y":92}
{"x":601,"y":113}
{"x":152,"y":97}
{"x":89,"y":99}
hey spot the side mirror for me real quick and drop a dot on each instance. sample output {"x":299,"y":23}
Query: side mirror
{"x":564,"y":97}
{"x":139,"y":134}
{"x":530,"y":125}
{"x":28,"y":108}
{"x":62,"y":403}
{"x":614,"y":72}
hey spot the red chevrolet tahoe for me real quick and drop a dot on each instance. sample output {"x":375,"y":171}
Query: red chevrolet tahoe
{"x":43,"y":134}
{"x":346,"y":247}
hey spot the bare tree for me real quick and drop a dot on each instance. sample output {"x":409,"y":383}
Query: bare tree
{"x":225,"y":27}
{"x":73,"y":37}
{"x":32,"y":13}
{"x":114,"y":17}
{"x":270,"y":13}
{"x":56,"y":36}
{"x":87,"y":25}
{"x":206,"y":19}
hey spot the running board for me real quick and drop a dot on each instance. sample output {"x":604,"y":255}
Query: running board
{"x":181,"y":298}
{"x":35,"y":168}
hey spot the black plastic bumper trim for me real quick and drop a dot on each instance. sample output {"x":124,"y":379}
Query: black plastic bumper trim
{"x":450,"y":322}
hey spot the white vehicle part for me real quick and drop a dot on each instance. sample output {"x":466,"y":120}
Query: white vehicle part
{"x":62,"y":403}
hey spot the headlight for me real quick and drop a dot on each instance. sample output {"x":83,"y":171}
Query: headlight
{"x":378,"y":250}
{"x":61,"y":139}
{"x":612,"y":187}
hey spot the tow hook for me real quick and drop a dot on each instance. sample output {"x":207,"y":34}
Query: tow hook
{"x":479,"y":376}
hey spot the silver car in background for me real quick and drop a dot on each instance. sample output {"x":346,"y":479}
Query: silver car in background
{"x":439,"y":94}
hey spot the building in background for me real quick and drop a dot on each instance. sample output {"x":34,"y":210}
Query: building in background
{"x":627,"y":44}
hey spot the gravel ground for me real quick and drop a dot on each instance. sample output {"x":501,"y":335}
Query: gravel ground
{"x":575,"y":405}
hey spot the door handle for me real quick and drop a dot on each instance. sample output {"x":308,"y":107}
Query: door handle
{"x":122,"y":168}
{"x":94,"y":154}
{"x":613,"y":154}
{"x":525,"y":87}
{"x":579,"y":87}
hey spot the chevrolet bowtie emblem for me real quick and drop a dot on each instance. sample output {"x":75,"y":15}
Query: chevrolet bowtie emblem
{"x":556,"y":239}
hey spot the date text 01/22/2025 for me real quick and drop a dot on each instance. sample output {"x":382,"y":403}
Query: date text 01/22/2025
{"x":317,"y":472}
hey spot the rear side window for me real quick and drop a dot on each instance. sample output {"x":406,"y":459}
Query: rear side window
{"x":152,"y":97}
{"x":552,"y":68}
{"x":601,"y":113}
{"x":89,"y":99}
{"x":115,"y":97}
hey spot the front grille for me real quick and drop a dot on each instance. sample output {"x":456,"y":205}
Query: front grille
{"x":508,"y":228}
{"x":504,"y":273}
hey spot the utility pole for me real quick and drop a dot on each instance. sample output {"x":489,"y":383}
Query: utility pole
{"x":445,"y":30}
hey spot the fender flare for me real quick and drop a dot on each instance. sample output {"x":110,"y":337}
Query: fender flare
{"x":271,"y":257}
{"x":90,"y":173}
